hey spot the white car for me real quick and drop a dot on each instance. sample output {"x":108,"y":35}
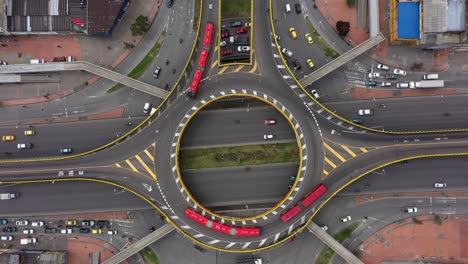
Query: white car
{"x":409,"y":210}
{"x":6,"y":238}
{"x":268,"y":136}
{"x":384,"y":67}
{"x":25,"y":241}
{"x":399,"y":72}
{"x":345,"y":219}
{"x":66,"y":231}
{"x":21,"y":222}
{"x":315,"y":94}
{"x":287,"y":52}
{"x":374,"y":75}
{"x":324,"y":228}
{"x":222,"y":43}
{"x":440,"y":185}
{"x":365,"y":112}
{"x":385,"y":84}
{"x":243,"y":48}
{"x":28,"y":231}
{"x":112,"y":232}
{"x":37,"y":223}
{"x":24,"y":145}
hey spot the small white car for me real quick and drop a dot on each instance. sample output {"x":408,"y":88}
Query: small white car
{"x":410,"y":210}
{"x":243,"y":48}
{"x":66,"y":231}
{"x":345,"y":219}
{"x":287,"y":52}
{"x":399,"y":72}
{"x":440,"y":185}
{"x":37,"y":223}
{"x":315,"y":94}
{"x":384,"y":67}
{"x":374,"y":75}
{"x":365,"y":112}
{"x":28,"y":231}
{"x":324,"y":228}
{"x":6,"y":238}
{"x":222,"y":43}
{"x":268,"y":136}
{"x":385,"y":84}
{"x":112,"y":232}
{"x":21,"y":222}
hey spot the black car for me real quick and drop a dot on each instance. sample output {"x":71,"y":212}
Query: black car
{"x":296,"y":64}
{"x":197,"y":247}
{"x":390,"y":76}
{"x":103,"y":223}
{"x":169,"y":3}
{"x":84,"y":230}
{"x":236,"y":24}
{"x":87,"y":223}
{"x":10,"y":229}
{"x":49,"y":230}
{"x":298,"y":8}
{"x":156,"y":72}
{"x":3,"y":221}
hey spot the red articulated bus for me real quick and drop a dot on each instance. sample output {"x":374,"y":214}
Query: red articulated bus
{"x":195,"y":83}
{"x":291,"y":213}
{"x":221,"y":228}
{"x":203,"y":58}
{"x":247,"y":231}
{"x":208,"y":35}
{"x":196,"y":217}
{"x":314,"y":195}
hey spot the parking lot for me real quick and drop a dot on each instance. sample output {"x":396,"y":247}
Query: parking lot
{"x":235,"y":41}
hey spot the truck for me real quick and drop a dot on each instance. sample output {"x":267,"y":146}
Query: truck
{"x":427,"y":84}
{"x":9,"y":196}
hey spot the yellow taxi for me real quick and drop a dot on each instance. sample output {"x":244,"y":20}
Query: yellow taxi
{"x":309,"y":38}
{"x":29,"y":132}
{"x":310,"y":63}
{"x":293,"y":33}
{"x":96,"y":231}
{"x":8,"y":138}
{"x":71,"y":222}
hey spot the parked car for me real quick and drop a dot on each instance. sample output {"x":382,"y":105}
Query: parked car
{"x":440,"y":185}
{"x":383,"y":67}
{"x":222,"y":43}
{"x":236,"y":24}
{"x":84,"y":230}
{"x":365,"y":112}
{"x":411,"y":209}
{"x":71,"y":222}
{"x":298,"y":8}
{"x":370,"y":83}
{"x":88,"y":223}
{"x":390,"y":76}
{"x":21,"y":222}
{"x":10,"y":229}
{"x":103,"y":223}
{"x":315,"y":94}
{"x":345,"y":219}
{"x":226,"y":52}
{"x":225,"y":34}
{"x":59,"y":59}
{"x":3,"y":62}
{"x":374,"y":75}
{"x":268,"y":136}
{"x":37,"y":223}
{"x":156,"y":72}
{"x":28,"y":231}
{"x":243,"y":48}
{"x":96,"y":231}
{"x":6,"y":238}
{"x":49,"y":230}
{"x":399,"y":72}
{"x":241,"y":31}
{"x":287,"y":52}
{"x":112,"y":232}
{"x":66,"y":231}
{"x":385,"y":84}
{"x":3,"y":221}
{"x":431,"y":76}
{"x":25,"y":241}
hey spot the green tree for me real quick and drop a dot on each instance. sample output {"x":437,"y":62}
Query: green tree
{"x":350,"y":3}
{"x":140,"y":26}
{"x":342,"y":27}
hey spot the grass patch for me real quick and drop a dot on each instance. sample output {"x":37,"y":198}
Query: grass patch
{"x":143,"y":65}
{"x":235,"y":8}
{"x":149,"y":256}
{"x":327,"y":254}
{"x":238,"y":156}
{"x":329,"y":51}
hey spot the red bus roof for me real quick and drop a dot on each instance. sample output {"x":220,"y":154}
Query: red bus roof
{"x":314,"y":195}
{"x":208,"y":35}
{"x":247,"y":231}
{"x":291,"y":213}
{"x":196,"y":216}
{"x":203,"y":58}
{"x":221,"y":228}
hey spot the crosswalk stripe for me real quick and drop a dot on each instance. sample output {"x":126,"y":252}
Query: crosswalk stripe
{"x":149,"y":155}
{"x":363,"y":150}
{"x":146,"y":167}
{"x":334,"y":152}
{"x":330,"y":162}
{"x":131,"y":166}
{"x":348,"y":150}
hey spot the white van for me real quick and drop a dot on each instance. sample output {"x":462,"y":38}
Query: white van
{"x":402,"y":85}
{"x":432,"y":76}
{"x":288,"y":8}
{"x":37,"y":61}
{"x":146,"y":108}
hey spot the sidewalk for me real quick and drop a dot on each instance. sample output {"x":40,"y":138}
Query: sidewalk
{"x":80,"y":247}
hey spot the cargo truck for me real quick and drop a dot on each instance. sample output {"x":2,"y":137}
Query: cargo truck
{"x":427,"y":84}
{"x":8,"y":196}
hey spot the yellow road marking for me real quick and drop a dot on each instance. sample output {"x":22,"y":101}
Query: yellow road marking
{"x":149,"y":155}
{"x":254,"y":67}
{"x":146,"y":167}
{"x":214,"y":64}
{"x":325,"y":172}
{"x":131,"y":166}
{"x":118,"y":165}
{"x":216,"y":48}
{"x":334,"y":152}
{"x":239,"y":68}
{"x":348,"y":150}
{"x":363,"y":150}
{"x":330,"y":162}
{"x":223,"y":69}
{"x":154,"y":144}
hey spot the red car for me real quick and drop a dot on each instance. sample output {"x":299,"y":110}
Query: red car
{"x":225,"y":34}
{"x":241,"y":30}
{"x":226,"y":52}
{"x":270,"y":121}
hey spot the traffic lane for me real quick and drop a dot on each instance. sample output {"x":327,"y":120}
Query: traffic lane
{"x":67,"y":198}
{"x":50,"y":138}
{"x":408,"y":113}
{"x":240,"y":185}
{"x":414,"y":176}
{"x":235,"y":126}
